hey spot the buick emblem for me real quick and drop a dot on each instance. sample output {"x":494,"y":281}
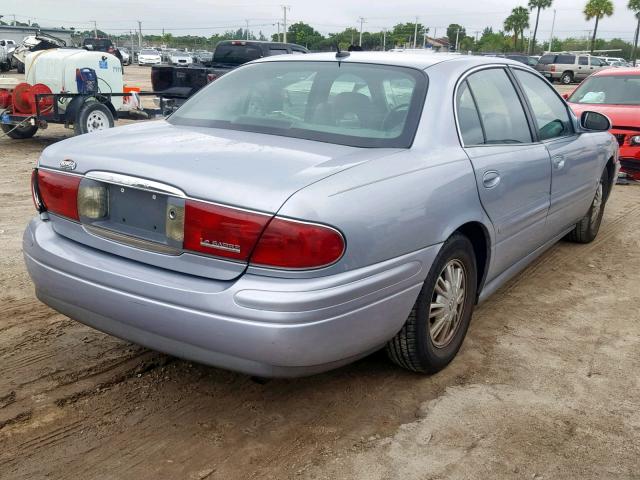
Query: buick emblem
{"x":67,"y":164}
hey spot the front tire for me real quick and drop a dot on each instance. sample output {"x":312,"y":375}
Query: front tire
{"x":588,"y":227}
{"x":438,"y":322}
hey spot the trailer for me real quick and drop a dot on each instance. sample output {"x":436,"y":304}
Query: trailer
{"x":31,"y":108}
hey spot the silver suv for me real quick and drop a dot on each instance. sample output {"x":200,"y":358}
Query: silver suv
{"x":568,"y":67}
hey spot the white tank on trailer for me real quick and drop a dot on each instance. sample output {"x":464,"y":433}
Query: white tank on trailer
{"x":56,"y":68}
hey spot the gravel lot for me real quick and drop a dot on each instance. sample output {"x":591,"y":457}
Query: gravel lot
{"x":545,"y":386}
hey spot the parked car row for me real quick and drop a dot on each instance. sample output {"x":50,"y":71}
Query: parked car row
{"x":302,"y":211}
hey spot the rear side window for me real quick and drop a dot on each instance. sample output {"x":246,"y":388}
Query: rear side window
{"x":501,"y":113}
{"x":550,"y":112}
{"x":596,"y":62}
{"x":468,"y":119}
{"x":566,"y":59}
{"x":583,"y":60}
{"x":547,"y":59}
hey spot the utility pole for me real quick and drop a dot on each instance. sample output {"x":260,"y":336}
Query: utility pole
{"x":424,"y":40}
{"x":635,"y":41}
{"x":139,"y":35}
{"x":284,"y":35}
{"x":247,"y":32}
{"x":278,"y":22}
{"x":361,"y":24}
{"x":553,"y":25}
{"x":95,"y":29}
{"x":384,"y":39}
{"x":529,"y":44}
{"x":415,"y":32}
{"x":457,"y":35}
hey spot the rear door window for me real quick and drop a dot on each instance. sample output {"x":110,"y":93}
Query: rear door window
{"x":468,"y":118}
{"x":500,"y":109}
{"x":583,"y":60}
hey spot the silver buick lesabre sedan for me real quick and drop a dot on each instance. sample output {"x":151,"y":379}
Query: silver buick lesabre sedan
{"x":302,"y":212}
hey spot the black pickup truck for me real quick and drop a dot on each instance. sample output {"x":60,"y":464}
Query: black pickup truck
{"x":178,"y":83}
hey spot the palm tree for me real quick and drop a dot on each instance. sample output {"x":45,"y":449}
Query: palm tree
{"x":539,"y":5}
{"x":597,"y":9}
{"x":516,"y":23}
{"x":634,"y":6}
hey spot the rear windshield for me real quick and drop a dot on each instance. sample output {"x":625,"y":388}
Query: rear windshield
{"x":236,"y":54}
{"x":547,"y":59}
{"x":98,"y":42}
{"x":612,"y":90}
{"x":353,"y":104}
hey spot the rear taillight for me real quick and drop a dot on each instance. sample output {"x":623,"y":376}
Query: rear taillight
{"x":35,"y":194}
{"x":221,"y":231}
{"x":552,"y":68}
{"x":298,"y":245}
{"x":211,"y":77}
{"x":57,"y":193}
{"x":250,"y":236}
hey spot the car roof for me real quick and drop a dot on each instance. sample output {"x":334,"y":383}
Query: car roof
{"x":401,"y":59}
{"x":617,"y":72}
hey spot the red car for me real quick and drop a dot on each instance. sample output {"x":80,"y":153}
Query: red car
{"x":615,"y":92}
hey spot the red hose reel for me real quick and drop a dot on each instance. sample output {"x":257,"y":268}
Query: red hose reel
{"x":23,"y":99}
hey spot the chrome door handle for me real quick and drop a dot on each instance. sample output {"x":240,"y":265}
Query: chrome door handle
{"x":558,"y":162}
{"x":490,"y":179}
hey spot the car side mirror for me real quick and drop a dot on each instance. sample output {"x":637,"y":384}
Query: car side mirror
{"x":595,"y":121}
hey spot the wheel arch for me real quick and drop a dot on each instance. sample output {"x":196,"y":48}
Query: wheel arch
{"x":611,"y":170}
{"x":479,"y":237}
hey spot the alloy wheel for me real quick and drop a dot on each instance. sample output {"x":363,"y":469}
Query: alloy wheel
{"x":447,"y":303}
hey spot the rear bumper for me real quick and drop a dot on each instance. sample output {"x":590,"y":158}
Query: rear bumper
{"x":257,"y":325}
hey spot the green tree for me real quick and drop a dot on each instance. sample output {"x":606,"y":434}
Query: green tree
{"x":454,"y":30}
{"x":402,"y":34}
{"x":538,"y":5}
{"x":634,"y":6}
{"x":304,"y":34}
{"x":516,"y":23}
{"x":597,"y":9}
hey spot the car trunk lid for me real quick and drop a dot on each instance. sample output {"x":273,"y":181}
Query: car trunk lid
{"x":152,"y":169}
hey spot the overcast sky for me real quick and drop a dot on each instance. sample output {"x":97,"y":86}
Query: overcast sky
{"x":205,"y":17}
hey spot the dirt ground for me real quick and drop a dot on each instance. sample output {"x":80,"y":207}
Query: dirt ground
{"x":546,"y":384}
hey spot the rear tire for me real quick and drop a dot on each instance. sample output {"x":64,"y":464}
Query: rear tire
{"x":20,"y":67}
{"x":19,"y":133}
{"x":93,"y":116}
{"x":566,"y":78}
{"x":424,"y":345}
{"x":588,"y":227}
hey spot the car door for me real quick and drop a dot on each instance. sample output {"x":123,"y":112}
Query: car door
{"x":574,"y":165}
{"x":513,"y":173}
{"x":582,"y":71}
